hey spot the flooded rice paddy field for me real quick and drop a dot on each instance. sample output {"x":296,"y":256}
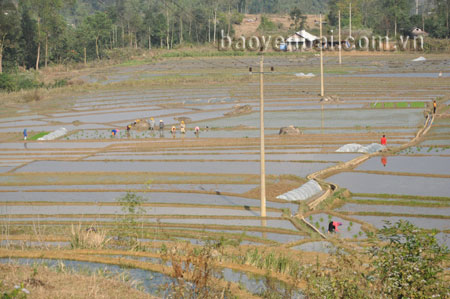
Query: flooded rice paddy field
{"x":419,"y":185}
{"x":151,"y":282}
{"x":207,"y":185}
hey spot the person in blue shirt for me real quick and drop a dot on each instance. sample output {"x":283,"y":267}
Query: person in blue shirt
{"x":25,"y":134}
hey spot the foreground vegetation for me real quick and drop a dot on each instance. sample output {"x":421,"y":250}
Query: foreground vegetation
{"x":398,"y":261}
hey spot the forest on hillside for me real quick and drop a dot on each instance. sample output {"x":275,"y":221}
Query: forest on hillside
{"x":36,"y":33}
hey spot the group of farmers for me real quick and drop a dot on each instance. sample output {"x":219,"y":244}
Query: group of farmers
{"x":151,"y":127}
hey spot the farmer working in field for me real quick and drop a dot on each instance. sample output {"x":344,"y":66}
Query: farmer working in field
{"x":197,"y":131}
{"x":161,"y":128}
{"x":333,"y":226}
{"x":151,"y":124}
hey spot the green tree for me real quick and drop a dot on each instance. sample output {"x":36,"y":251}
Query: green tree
{"x":27,"y":42}
{"x":9,"y":26}
{"x":131,"y":206}
{"x":46,"y":12}
{"x":99,"y":28}
{"x":344,"y":6}
{"x":441,"y":19}
{"x":409,"y":264}
{"x":298,"y":18}
{"x":404,"y":262}
{"x":396,"y":14}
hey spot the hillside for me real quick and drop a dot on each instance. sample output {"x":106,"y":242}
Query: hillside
{"x":251,"y":22}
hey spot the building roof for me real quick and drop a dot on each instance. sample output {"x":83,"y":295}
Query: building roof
{"x":301,"y":36}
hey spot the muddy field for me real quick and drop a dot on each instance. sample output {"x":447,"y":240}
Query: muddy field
{"x":204,"y":185}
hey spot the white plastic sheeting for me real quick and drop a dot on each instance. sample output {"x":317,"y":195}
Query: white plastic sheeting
{"x":421,"y":58}
{"x":305,"y":75}
{"x":349,"y":148}
{"x":55,"y":134}
{"x":304,"y":192}
{"x":372,"y":148}
{"x":358,"y":148}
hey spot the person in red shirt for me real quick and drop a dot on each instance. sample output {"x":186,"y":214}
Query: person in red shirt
{"x":383,"y":140}
{"x":333,"y":226}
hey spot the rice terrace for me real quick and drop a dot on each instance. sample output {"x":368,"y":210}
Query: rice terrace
{"x":146,"y":173}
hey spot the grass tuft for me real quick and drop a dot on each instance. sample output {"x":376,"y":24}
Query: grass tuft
{"x":88,"y":239}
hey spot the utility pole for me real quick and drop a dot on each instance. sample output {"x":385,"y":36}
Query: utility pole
{"x":261,"y":124}
{"x":417,"y":7}
{"x":321,"y":59}
{"x":350,"y":20}
{"x":340,"y":40}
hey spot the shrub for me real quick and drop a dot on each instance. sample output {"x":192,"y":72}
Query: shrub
{"x":19,"y":292}
{"x":88,"y":239}
{"x":7,"y":83}
{"x":128,"y":224}
{"x":18,"y":81}
{"x":405,"y":262}
{"x":194,"y":276}
{"x":266,"y":25}
{"x":58,"y":83}
{"x":339,"y":277}
{"x":409,"y":265}
{"x":237,"y":18}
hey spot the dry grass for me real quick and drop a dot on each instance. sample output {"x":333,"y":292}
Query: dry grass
{"x":89,"y":238}
{"x":43,"y":282}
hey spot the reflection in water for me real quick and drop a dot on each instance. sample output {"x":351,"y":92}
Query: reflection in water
{"x":25,"y":145}
{"x":384,"y":160}
{"x":264,"y":224}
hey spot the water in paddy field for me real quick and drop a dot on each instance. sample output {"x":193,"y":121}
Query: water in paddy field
{"x":230,"y":167}
{"x":352,"y":207}
{"x":321,"y":246}
{"x":225,"y":156}
{"x":52,"y":146}
{"x":152,"y":197}
{"x":347,"y":230}
{"x":421,"y":222}
{"x":151,"y":281}
{"x":332,"y":118}
{"x":392,"y":184}
{"x":285,"y":224}
{"x":400,"y":75}
{"x":112,"y":211}
{"x":425,"y":165}
{"x":230,"y":188}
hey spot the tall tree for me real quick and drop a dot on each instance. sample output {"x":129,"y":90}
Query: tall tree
{"x":396,"y":12}
{"x":9,"y":26}
{"x":45,"y":12}
{"x":99,"y":27}
{"x":298,"y":18}
{"x":27,"y":42}
{"x":442,"y":12}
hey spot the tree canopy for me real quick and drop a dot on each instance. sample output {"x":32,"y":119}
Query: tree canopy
{"x":37,"y":32}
